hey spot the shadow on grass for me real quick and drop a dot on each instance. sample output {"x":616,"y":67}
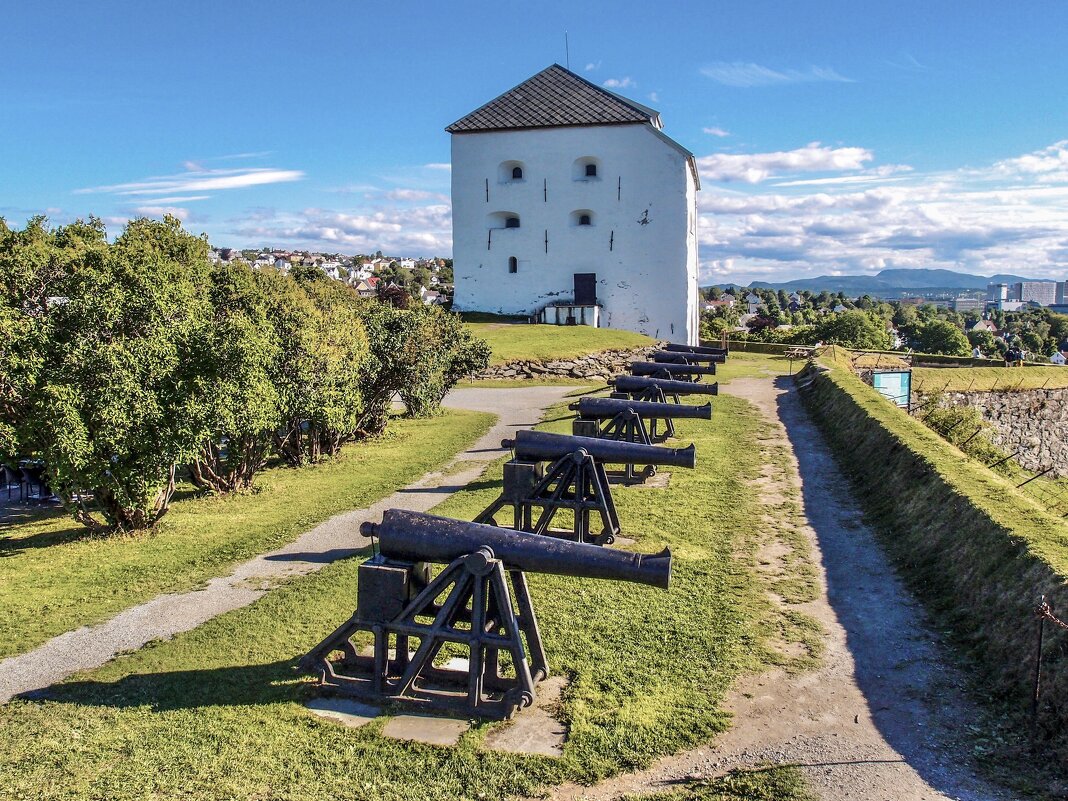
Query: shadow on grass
{"x":15,"y":517}
{"x":238,"y":685}
{"x":482,"y":484}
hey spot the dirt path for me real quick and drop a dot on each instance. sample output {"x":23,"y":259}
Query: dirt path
{"x":167,"y":615}
{"x":883,"y":717}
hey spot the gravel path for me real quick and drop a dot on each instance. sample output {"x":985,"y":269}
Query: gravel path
{"x":883,"y":717}
{"x":167,"y":615}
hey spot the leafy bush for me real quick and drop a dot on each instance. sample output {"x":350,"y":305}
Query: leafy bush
{"x":119,"y":363}
{"x":454,"y":353}
{"x":118,"y":402}
{"x":242,"y":401}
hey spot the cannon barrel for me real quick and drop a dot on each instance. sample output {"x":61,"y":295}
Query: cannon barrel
{"x":605,"y":408}
{"x":695,"y":349}
{"x":680,"y":357}
{"x":634,"y":383}
{"x":652,"y":368}
{"x":416,"y":537}
{"x":541,"y":446}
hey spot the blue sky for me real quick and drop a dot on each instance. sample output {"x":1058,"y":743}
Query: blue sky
{"x":831,"y":137}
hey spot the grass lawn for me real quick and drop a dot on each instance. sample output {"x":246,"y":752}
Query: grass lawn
{"x":55,"y":578}
{"x":513,"y":341}
{"x":216,"y":713}
{"x":985,"y":379}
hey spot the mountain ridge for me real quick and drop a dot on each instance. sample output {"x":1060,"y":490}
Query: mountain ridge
{"x":893,"y":281}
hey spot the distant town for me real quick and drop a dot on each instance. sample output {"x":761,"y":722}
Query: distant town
{"x":429,"y":280}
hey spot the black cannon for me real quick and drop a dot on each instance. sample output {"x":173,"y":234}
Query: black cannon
{"x":672,"y":371}
{"x":468,"y":607}
{"x":677,"y":357}
{"x":575,"y":480}
{"x":658,"y":390}
{"x":695,"y":349}
{"x":630,"y":420}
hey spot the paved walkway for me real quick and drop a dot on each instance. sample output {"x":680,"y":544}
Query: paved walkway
{"x":336,"y":538}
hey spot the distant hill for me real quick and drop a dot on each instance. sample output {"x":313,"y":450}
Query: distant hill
{"x":894,"y":282}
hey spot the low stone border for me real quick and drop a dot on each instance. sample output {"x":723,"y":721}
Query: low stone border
{"x":602,"y":365}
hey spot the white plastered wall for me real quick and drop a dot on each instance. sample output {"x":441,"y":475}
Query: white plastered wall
{"x":642,"y":243}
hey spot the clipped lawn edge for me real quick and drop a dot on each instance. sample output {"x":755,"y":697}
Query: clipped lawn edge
{"x":977,"y":550}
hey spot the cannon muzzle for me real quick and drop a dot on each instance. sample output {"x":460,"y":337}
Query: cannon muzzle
{"x":607,"y":408}
{"x":414,"y":537}
{"x":634,"y":383}
{"x":678,"y":357}
{"x":695,"y":349}
{"x":541,"y":446}
{"x":652,"y":368}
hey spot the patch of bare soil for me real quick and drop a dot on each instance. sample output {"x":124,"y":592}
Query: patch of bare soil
{"x":883,"y":715}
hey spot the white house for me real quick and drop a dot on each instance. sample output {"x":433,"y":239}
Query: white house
{"x":569,"y":202}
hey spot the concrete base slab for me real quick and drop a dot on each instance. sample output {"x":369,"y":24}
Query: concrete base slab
{"x":619,"y":542}
{"x":345,"y":711}
{"x":429,"y":729}
{"x":533,"y":730}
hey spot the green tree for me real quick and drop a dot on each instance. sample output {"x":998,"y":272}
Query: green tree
{"x":330,"y":404}
{"x":118,"y":403}
{"x":243,"y":404}
{"x":445,"y":351}
{"x":939,"y":336}
{"x":853,"y":329}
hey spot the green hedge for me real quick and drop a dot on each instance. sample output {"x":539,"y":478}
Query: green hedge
{"x":976,"y":549}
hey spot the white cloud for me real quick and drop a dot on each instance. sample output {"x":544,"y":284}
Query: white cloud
{"x":747,"y":74}
{"x":199,"y":180}
{"x":716,"y":131}
{"x":417,"y":231}
{"x":1046,"y":164}
{"x":414,"y":195}
{"x":438,"y":166}
{"x":654,"y":97}
{"x":593,"y":66}
{"x":179,"y":199}
{"x":160,"y":211}
{"x":619,"y":83}
{"x":756,"y":167}
{"x":1004,"y":217}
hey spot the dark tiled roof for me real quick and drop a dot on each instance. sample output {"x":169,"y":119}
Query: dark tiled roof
{"x":555,"y":96}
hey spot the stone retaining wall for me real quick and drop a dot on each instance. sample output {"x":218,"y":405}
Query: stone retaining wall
{"x":1033,"y":422}
{"x":595,"y":366}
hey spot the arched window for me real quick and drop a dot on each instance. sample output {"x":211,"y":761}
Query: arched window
{"x":586,"y":168}
{"x":582,"y":217}
{"x":513,"y":264}
{"x":511,"y":222}
{"x":511,"y":171}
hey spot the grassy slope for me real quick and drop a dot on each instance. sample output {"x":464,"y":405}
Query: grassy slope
{"x":215,"y":713}
{"x":53,"y":578}
{"x":979,"y":550}
{"x":519,"y":341}
{"x":984,"y":379}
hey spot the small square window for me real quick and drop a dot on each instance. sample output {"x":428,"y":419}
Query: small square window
{"x":591,"y":170}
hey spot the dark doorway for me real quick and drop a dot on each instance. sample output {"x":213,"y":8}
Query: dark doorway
{"x":585,"y":289}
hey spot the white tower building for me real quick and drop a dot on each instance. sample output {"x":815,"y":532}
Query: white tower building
{"x":570,"y":203}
